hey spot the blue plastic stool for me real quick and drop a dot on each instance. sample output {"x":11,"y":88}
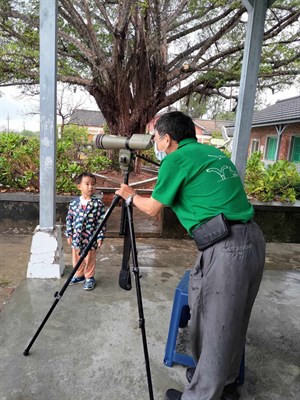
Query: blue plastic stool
{"x":179,"y":319}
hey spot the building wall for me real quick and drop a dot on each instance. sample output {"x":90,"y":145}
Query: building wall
{"x":93,"y":131}
{"x":262,"y":133}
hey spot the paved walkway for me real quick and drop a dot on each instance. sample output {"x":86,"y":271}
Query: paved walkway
{"x":91,"y":346}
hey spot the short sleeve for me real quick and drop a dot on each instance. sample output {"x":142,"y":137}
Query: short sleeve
{"x":170,"y":178}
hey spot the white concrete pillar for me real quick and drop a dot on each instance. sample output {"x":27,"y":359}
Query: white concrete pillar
{"x":47,"y":257}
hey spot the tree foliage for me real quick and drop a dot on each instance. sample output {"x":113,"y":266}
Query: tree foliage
{"x":136,"y":57}
{"x":194,"y":105}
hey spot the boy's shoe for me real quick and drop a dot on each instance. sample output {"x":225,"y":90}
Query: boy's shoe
{"x":90,"y":284}
{"x":76,"y":279}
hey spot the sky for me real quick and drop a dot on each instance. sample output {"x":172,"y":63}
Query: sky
{"x":14,"y":107}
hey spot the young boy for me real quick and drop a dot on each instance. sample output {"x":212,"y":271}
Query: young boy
{"x":83,"y":218}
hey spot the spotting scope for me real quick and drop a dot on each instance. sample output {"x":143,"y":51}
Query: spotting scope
{"x":134,"y":142}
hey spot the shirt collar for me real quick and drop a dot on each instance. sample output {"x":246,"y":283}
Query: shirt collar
{"x":186,"y":141}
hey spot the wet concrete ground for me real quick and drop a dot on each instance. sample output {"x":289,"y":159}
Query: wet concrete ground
{"x":91,"y":346}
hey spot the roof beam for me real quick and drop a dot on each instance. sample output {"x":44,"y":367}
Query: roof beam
{"x":249,"y":4}
{"x":279,"y":130}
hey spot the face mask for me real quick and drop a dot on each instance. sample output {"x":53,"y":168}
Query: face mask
{"x":160,"y":155}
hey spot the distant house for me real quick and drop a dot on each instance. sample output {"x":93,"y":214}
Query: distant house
{"x":202,"y":135}
{"x":276,"y":132}
{"x":208,"y":127}
{"x":92,"y":120}
{"x":204,"y":129}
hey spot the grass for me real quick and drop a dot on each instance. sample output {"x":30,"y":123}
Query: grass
{"x":4,"y":283}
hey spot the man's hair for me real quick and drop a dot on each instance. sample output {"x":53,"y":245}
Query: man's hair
{"x":177,"y":124}
{"x":84,"y":175}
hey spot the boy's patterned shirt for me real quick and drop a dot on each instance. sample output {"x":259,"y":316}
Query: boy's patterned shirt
{"x":82,"y":223}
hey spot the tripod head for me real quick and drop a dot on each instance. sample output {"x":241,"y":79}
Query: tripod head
{"x":127,"y":147}
{"x":126,"y":158}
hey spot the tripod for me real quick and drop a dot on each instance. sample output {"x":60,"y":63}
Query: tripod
{"x":127,"y":227}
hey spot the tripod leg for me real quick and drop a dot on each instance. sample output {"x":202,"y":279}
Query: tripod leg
{"x":58,"y":295}
{"x":124,"y":276}
{"x":139,"y":298}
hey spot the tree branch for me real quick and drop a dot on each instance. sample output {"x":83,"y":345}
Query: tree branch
{"x":199,"y":26}
{"x":172,"y":17}
{"x":203,"y":46}
{"x":102,"y":9}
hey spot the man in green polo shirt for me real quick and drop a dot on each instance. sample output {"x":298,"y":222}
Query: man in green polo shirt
{"x":203,"y":188}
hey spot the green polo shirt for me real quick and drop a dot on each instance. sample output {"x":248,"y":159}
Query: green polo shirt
{"x":199,"y":182}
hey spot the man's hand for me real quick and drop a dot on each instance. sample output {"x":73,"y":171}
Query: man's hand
{"x":125,"y":191}
{"x":148,"y":205}
{"x":69,"y":240}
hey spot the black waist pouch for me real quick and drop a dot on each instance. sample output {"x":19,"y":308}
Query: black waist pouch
{"x":211,"y":232}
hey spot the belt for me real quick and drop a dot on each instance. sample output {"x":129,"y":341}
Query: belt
{"x":237,"y":222}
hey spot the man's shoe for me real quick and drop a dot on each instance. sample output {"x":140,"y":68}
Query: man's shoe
{"x":172,"y":394}
{"x":232,"y":396}
{"x":76,"y":279}
{"x":229,"y":392}
{"x":90,"y":284}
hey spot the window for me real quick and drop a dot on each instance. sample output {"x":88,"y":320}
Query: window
{"x":271,"y":148}
{"x":255,"y":146}
{"x":295,"y":149}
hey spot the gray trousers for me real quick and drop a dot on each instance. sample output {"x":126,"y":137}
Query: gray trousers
{"x":223,"y":285}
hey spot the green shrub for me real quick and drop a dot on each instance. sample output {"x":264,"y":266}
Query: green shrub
{"x":226,"y":152}
{"x":150,"y":155}
{"x":297,"y":189}
{"x":74,"y":156}
{"x":275,"y":182}
{"x":19,"y":166}
{"x":19,"y":160}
